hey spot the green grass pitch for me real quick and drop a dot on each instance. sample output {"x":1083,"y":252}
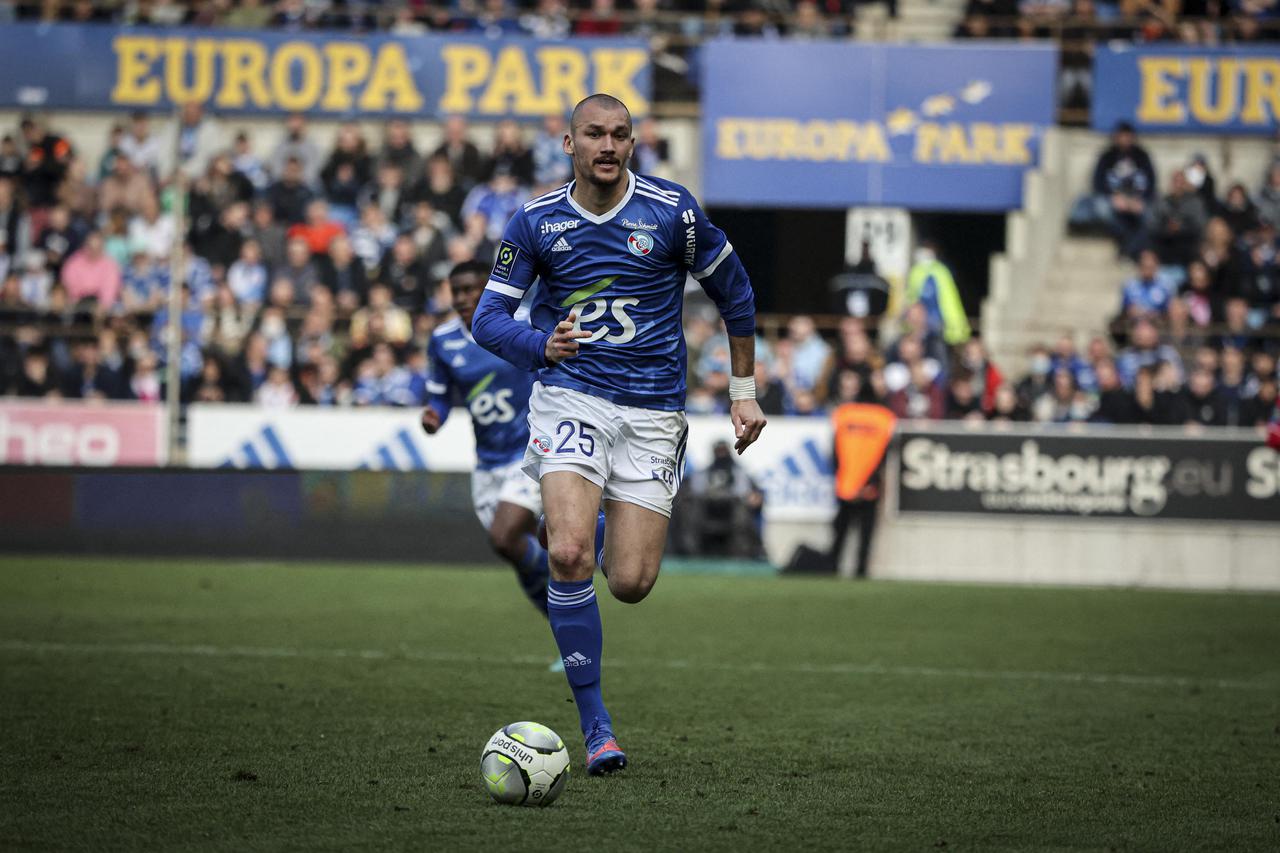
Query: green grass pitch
{"x":189,"y":705}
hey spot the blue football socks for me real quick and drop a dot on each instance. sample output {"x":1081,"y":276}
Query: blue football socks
{"x":534,"y":573}
{"x":575,"y":622}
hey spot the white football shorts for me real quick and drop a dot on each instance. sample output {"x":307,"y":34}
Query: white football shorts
{"x":635,"y":455}
{"x":492,"y":486}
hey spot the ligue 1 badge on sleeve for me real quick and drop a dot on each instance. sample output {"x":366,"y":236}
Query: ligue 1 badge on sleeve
{"x":507,"y":254}
{"x":640,"y":242}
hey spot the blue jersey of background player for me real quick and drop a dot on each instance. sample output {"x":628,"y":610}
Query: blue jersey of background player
{"x":506,"y":500}
{"x":612,"y":251}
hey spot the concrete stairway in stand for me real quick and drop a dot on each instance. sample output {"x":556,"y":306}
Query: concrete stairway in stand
{"x":1079,"y":296}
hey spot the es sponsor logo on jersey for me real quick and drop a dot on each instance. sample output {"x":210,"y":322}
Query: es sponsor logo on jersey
{"x":640,"y":243}
{"x":492,"y":407}
{"x":558,"y":227}
{"x":507,"y":255}
{"x":638,"y":225}
{"x":590,"y":308}
{"x":541,"y":443}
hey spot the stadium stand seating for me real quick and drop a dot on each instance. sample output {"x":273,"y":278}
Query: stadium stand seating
{"x":86,"y":208}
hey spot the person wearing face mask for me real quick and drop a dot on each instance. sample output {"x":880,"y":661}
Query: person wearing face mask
{"x":1201,"y":180}
{"x":930,"y":283}
{"x":1036,"y":383}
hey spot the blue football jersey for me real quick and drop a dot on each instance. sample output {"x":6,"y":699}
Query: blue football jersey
{"x":623,"y":274}
{"x":495,"y":391}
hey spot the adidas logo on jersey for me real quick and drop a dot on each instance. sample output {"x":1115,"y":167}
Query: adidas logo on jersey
{"x":561,"y":245}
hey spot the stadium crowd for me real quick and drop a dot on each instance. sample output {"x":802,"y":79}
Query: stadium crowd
{"x":690,"y":19}
{"x":1076,"y":22}
{"x":315,"y":272}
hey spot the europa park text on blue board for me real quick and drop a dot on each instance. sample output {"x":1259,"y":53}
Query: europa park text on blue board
{"x":819,"y":140}
{"x":336,"y":75}
{"x":1209,"y":90}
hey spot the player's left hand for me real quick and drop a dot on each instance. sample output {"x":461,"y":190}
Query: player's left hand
{"x":430,"y":420}
{"x":748,"y":423}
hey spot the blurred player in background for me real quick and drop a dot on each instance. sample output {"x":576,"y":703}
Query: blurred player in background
{"x":496,"y":392}
{"x":606,"y":418}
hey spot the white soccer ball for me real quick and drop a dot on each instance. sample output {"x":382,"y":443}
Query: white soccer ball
{"x":524,"y":764}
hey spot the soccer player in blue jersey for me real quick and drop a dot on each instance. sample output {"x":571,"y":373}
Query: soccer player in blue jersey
{"x":496,"y":392}
{"x":606,"y":418}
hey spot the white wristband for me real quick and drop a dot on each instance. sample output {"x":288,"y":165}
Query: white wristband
{"x":742,"y":387}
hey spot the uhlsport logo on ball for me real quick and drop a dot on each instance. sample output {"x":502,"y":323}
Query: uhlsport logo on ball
{"x":524,"y":764}
{"x":640,"y":243}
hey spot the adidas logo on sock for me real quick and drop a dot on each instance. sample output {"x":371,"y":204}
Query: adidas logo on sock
{"x":561,"y":245}
{"x":577,"y":659}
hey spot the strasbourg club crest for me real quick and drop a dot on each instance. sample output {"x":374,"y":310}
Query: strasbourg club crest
{"x":640,"y":243}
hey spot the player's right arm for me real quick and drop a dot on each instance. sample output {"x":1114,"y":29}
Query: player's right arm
{"x":437,"y":410}
{"x":494,"y":326}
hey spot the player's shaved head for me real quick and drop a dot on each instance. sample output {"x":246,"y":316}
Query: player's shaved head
{"x":600,"y":141}
{"x":601,"y":100}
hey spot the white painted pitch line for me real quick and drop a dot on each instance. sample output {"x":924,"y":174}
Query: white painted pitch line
{"x":43,"y":647}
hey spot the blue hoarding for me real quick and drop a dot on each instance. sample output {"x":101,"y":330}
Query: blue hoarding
{"x":839,"y":125}
{"x":96,"y":67}
{"x":1187,"y":89}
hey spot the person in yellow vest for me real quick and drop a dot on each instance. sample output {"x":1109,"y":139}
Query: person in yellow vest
{"x":931,"y":284}
{"x":862,"y":433}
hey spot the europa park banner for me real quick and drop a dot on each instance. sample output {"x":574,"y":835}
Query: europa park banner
{"x":94,"y":67}
{"x":799,"y":124}
{"x":1177,"y":89}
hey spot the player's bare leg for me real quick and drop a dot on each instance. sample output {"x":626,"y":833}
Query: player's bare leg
{"x":634,"y":540}
{"x":571,"y":503}
{"x":512,"y":537}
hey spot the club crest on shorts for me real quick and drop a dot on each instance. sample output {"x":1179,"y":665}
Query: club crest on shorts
{"x":640,"y":242}
{"x":542,"y":443}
